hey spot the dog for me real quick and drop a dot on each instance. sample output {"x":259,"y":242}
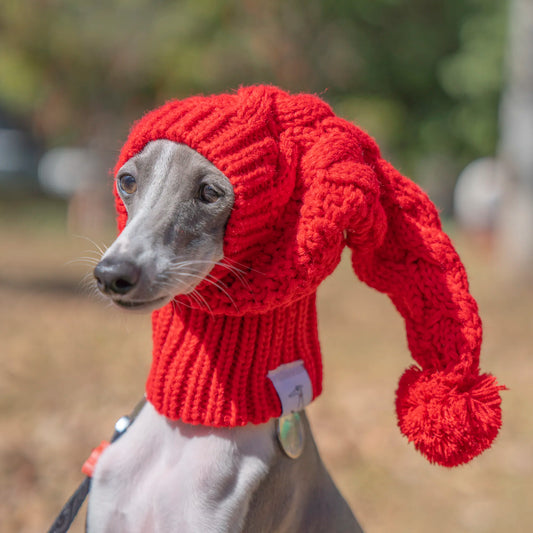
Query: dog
{"x":165,"y":475}
{"x":232,"y":209}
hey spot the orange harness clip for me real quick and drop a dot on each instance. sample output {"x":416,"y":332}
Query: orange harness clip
{"x":90,"y":464}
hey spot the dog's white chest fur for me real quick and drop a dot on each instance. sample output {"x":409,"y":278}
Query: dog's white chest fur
{"x":163,"y":476}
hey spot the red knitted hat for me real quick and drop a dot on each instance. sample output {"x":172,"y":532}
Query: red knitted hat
{"x":306,"y":184}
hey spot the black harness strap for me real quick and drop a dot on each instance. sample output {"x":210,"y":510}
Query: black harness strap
{"x":67,"y":515}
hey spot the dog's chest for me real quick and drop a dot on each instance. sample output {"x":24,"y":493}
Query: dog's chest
{"x":165,"y":476}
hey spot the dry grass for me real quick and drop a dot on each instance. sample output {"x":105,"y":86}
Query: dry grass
{"x":70,"y":366}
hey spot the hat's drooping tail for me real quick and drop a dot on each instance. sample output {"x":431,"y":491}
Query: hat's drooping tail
{"x":445,"y":406}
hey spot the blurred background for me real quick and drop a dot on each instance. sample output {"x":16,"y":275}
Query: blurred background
{"x":446,"y":89}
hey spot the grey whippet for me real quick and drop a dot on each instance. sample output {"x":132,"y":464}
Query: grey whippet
{"x":164,"y":475}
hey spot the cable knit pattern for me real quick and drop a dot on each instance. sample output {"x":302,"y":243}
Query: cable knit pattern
{"x":306,"y":184}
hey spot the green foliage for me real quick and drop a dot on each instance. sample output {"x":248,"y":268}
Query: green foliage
{"x":422,"y":76}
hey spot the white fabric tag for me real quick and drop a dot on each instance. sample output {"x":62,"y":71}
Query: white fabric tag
{"x":293,"y":386}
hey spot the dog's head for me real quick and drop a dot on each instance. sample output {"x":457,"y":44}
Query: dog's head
{"x":301,"y":179}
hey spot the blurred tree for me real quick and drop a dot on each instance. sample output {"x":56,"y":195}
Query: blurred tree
{"x":515,"y":223}
{"x":422,"y":76}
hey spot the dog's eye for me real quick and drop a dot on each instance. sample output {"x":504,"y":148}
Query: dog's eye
{"x":127,"y":184}
{"x":209,"y":194}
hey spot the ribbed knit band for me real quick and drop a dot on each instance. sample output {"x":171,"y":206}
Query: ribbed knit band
{"x":212,"y":369}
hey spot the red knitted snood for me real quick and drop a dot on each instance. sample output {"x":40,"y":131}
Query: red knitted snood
{"x":307,"y":184}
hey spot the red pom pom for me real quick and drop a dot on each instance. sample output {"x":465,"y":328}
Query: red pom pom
{"x":449,"y":417}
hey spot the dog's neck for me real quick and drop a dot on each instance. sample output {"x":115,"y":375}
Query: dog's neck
{"x":212,"y":369}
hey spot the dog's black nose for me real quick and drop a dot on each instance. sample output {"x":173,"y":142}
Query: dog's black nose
{"x":116,"y":277}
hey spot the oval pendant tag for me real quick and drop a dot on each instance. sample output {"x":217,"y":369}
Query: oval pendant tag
{"x":291,"y":434}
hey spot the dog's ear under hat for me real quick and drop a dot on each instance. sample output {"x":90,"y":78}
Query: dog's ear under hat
{"x":445,"y":406}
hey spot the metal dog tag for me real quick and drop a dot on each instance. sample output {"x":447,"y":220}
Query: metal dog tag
{"x":291,"y":434}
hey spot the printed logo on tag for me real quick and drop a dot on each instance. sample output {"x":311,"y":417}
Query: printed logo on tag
{"x":293,"y":385}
